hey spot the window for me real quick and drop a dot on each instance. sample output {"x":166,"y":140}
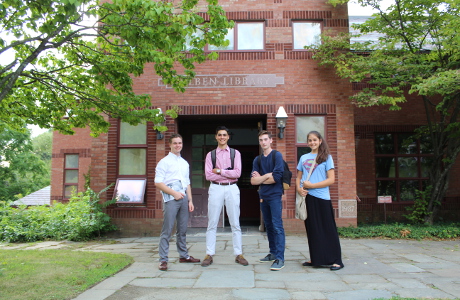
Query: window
{"x":306,"y":34}
{"x":401,"y":165}
{"x":244,"y":36}
{"x":70,"y":174}
{"x":132,"y":150}
{"x":130,"y":190}
{"x":303,"y":125}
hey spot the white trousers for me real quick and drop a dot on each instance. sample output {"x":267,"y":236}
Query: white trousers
{"x":218,"y":196}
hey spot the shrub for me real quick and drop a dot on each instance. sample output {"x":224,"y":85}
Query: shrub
{"x":82,"y":218}
{"x":419,"y":210}
{"x":403,"y":231}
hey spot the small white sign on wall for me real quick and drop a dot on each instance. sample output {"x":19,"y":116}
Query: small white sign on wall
{"x":384,"y":199}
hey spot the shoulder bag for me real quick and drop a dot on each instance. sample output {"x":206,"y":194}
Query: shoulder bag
{"x":300,"y":205}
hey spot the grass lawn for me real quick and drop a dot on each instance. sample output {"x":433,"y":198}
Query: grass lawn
{"x":56,"y":273}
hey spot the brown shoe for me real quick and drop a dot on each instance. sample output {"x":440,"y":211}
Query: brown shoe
{"x":241,"y":260}
{"x":163,"y":266}
{"x":207,"y":261}
{"x":190,"y":259}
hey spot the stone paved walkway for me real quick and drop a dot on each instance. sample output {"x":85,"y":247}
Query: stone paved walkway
{"x":374,"y":268}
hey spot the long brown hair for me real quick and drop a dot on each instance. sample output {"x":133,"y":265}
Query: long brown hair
{"x":323,"y":149}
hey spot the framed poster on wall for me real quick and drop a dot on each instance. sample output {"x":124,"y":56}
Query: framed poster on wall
{"x":130,"y":190}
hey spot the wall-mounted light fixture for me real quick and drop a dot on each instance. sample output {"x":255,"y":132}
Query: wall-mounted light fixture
{"x":160,"y":135}
{"x":281,"y":119}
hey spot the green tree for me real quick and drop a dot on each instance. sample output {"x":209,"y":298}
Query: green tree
{"x":21,"y":171}
{"x":42,"y":146}
{"x":419,"y":51}
{"x":67,"y":63}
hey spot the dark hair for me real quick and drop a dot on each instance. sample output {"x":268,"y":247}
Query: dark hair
{"x":175,"y":135}
{"x":323,"y":149}
{"x":265,"y":132}
{"x":219,"y":128}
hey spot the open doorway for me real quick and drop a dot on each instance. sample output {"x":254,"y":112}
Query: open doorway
{"x":199,"y":138}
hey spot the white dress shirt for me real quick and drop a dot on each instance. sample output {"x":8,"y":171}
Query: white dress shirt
{"x":172,"y":168}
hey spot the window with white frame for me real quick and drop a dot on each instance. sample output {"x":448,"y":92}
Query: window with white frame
{"x":305,"y":34}
{"x":130,"y":190}
{"x":243,"y":37}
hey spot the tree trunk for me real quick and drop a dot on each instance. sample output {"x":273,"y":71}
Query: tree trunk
{"x":446,"y":148}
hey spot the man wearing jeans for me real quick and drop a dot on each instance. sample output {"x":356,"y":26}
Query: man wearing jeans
{"x":269,"y":176}
{"x":172,"y":179}
{"x":223,"y":175}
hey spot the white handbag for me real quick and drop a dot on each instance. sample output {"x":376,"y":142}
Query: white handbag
{"x":300,"y":205}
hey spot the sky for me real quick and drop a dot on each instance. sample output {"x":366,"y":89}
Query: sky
{"x":353,"y":10}
{"x":357,"y":10}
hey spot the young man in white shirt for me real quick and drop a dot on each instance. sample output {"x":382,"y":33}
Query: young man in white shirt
{"x":173,"y":180}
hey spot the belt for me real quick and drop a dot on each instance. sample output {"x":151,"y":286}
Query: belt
{"x":223,"y":183}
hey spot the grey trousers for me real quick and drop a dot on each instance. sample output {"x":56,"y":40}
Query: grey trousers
{"x":174,"y":210}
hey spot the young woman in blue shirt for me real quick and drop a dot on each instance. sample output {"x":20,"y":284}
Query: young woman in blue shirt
{"x":323,"y":239}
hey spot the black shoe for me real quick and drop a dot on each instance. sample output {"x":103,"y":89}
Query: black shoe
{"x":307,"y":264}
{"x":336,"y":268}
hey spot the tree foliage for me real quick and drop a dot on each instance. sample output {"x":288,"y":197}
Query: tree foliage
{"x":21,"y":171}
{"x":82,"y":218}
{"x":418,"y":52}
{"x":67,"y":63}
{"x":42,"y":145}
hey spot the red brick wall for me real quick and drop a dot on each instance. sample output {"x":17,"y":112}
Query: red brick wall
{"x":381,"y":119}
{"x":79,"y":143}
{"x":307,"y":89}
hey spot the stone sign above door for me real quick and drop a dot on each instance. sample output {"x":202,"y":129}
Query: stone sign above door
{"x":232,"y":81}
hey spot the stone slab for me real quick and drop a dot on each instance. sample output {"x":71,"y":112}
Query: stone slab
{"x":226,"y":279}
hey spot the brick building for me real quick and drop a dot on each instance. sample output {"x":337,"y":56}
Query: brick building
{"x":266,"y":68}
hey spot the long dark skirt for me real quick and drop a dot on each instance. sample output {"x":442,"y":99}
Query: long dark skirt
{"x":323,"y":239}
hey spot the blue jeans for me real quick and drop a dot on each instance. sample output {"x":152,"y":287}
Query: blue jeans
{"x":272,"y":214}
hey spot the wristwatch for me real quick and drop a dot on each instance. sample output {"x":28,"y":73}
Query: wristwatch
{"x":218,"y":171}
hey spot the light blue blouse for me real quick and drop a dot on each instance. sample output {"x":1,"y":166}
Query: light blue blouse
{"x":319,"y":174}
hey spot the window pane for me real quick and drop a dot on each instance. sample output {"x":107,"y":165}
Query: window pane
{"x":133,"y":135}
{"x":386,"y":188}
{"x":301,"y":151}
{"x":132,"y":161}
{"x":231,"y":37}
{"x":71,"y":176}
{"x":385,"y":167}
{"x":407,"y":167}
{"x":250,"y":36}
{"x":305,"y":124}
{"x":69,"y":189}
{"x":306,"y":34}
{"x":426,"y":145}
{"x":197,"y":167}
{"x":384,"y":144}
{"x":197,"y":154}
{"x":425,"y":164}
{"x":407,"y":190}
{"x":197,"y":140}
{"x":197,"y":181}
{"x":71,"y":161}
{"x":190,"y":37}
{"x":405,"y":144}
{"x":211,"y":139}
